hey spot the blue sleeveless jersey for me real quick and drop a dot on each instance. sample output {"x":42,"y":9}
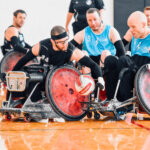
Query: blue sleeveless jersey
{"x":141,"y":46}
{"x":94,"y":44}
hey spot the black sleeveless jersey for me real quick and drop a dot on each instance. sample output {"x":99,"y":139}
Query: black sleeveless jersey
{"x":51,"y":57}
{"x":7,"y":47}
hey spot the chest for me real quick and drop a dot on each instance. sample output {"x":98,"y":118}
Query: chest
{"x":82,"y":5}
{"x":141,"y":45}
{"x":53,"y":57}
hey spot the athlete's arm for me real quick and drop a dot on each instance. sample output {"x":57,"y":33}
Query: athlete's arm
{"x":11,"y":35}
{"x":127,"y":37}
{"x":116,"y":40}
{"x":29,"y":56}
{"x":69,"y":17}
{"x":80,"y":57}
{"x":79,"y":37}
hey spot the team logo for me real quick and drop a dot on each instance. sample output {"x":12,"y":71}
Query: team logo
{"x":89,"y":38}
{"x":96,"y":42}
{"x":76,"y":2}
{"x":88,"y":2}
{"x":138,"y":46}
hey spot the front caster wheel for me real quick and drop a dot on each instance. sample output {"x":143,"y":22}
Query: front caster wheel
{"x":89,"y":114}
{"x":7,"y":117}
{"x":96,"y":115}
{"x":27,"y":118}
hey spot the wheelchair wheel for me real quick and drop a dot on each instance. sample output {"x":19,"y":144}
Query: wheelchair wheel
{"x":61,"y":93}
{"x":142,"y":87}
{"x":9,"y":61}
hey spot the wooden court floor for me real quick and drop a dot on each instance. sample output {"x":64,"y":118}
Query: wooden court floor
{"x":132,"y":133}
{"x":87,"y":134}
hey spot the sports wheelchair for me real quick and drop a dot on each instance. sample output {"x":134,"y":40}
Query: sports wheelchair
{"x":59,"y":97}
{"x":139,"y":103}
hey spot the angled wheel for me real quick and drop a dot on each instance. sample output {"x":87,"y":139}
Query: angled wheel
{"x":142,"y":87}
{"x":89,"y":114}
{"x":27,"y":118}
{"x":96,"y":115}
{"x":61,"y":93}
{"x":9,"y":61}
{"x":8,"y":117}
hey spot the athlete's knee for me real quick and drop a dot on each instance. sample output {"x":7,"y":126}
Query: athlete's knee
{"x":104,"y":54}
{"x":124,"y":62}
{"x":110,"y":63}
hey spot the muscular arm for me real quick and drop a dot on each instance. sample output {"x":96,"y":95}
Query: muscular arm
{"x":116,"y":40}
{"x":29,"y":56}
{"x":79,"y":37}
{"x":12,"y":35}
{"x":114,"y":35}
{"x":69,"y":17}
{"x":79,"y":56}
{"x":127,"y":37}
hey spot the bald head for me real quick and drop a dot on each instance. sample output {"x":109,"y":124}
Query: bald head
{"x":137,"y":23}
{"x":137,"y":17}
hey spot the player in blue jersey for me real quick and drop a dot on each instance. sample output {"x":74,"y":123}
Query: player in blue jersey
{"x":98,"y":37}
{"x":140,"y":55}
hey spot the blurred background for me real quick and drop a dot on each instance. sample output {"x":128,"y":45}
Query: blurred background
{"x":42,"y":15}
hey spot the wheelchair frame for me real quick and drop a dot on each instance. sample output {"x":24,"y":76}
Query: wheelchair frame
{"x":112,"y":108}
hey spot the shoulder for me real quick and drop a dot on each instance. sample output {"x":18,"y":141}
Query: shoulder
{"x":12,"y":31}
{"x":113,"y":30}
{"x":45,"y":44}
{"x":36,"y":49}
{"x":114,"y":35}
{"x":79,"y":36}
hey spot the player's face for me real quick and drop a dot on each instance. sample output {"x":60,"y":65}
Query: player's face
{"x":19,"y":20}
{"x":137,"y":28}
{"x":62,"y":44}
{"x":94,"y":21}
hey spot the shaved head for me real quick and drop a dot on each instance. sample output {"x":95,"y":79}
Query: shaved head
{"x":137,"y":16}
{"x":137,"y":23}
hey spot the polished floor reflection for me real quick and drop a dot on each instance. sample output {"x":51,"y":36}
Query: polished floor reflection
{"x":87,"y":134}
{"x":132,"y":133}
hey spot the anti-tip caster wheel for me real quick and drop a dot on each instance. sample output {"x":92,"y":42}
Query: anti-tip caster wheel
{"x":7,"y":117}
{"x":89,"y":114}
{"x":96,"y":115}
{"x":27,"y":118}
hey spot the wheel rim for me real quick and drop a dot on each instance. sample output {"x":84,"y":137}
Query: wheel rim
{"x":63,"y":96}
{"x":9,"y":61}
{"x":142,"y":86}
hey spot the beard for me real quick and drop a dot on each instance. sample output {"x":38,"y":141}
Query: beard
{"x":97,"y":28}
{"x":60,"y":48}
{"x":19,"y":25}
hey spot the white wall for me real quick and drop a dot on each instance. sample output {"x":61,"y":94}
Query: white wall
{"x":108,"y":16}
{"x":42,"y":15}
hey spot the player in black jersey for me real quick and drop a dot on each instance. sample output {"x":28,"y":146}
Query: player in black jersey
{"x":14,"y":39}
{"x":58,"y":51}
